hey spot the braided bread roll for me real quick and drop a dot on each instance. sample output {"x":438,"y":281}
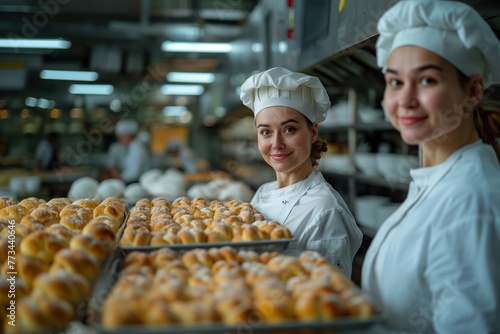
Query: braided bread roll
{"x":42,"y":245}
{"x":75,"y":261}
{"x":90,"y":203}
{"x":14,"y":212}
{"x":100,"y":231}
{"x":46,"y":217}
{"x":27,"y":268}
{"x":7,"y":201}
{"x":31,"y":203}
{"x":40,"y":314}
{"x":32,"y":223}
{"x":60,"y":231}
{"x":20,"y":231}
{"x":98,"y":249}
{"x":113,"y":224}
{"x":114,"y":212}
{"x":71,"y":287}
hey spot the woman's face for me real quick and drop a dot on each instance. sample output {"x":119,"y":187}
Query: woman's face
{"x":284,"y":138}
{"x":423,"y":95}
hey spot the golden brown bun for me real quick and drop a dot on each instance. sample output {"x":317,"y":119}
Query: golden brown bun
{"x":32,"y":223}
{"x":7,"y":201}
{"x":87,"y":203}
{"x":27,"y":268}
{"x":60,"y":231}
{"x":71,"y":287}
{"x":161,"y":221}
{"x":99,"y":249}
{"x":37,"y":315}
{"x":110,"y":211}
{"x":222,"y":212}
{"x":42,"y":245}
{"x":75,"y":261}
{"x":49,"y":206}
{"x":311,"y":306}
{"x":139,"y":258}
{"x":203,"y":213}
{"x":72,"y":209}
{"x":100,"y":231}
{"x":119,"y":310}
{"x":181,"y":201}
{"x":190,"y":312}
{"x":60,"y":202}
{"x":135,"y":235}
{"x":163,"y":255}
{"x":30,"y":203}
{"x":13,"y":212}
{"x":159,"y":313}
{"x":250,"y":233}
{"x":161,"y":202}
{"x":20,"y":231}
{"x":144,"y":202}
{"x":120,"y":204}
{"x":46,"y":217}
{"x":222,"y":228}
{"x":74,"y":222}
{"x":112,"y":223}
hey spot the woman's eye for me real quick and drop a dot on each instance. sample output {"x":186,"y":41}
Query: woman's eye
{"x":290,"y":129}
{"x":427,"y":81}
{"x":264,"y":132}
{"x":393,"y":82}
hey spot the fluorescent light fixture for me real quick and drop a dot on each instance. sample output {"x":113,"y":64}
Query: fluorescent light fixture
{"x":24,"y":43}
{"x":196,"y":47}
{"x":182,"y":89}
{"x":69,"y":75}
{"x":191,"y":77}
{"x":91,"y":89}
{"x":174,"y":110}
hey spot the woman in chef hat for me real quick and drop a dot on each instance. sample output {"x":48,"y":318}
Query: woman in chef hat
{"x":433,"y":266}
{"x":288,"y":107}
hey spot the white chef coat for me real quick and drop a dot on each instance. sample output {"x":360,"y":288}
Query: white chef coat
{"x":434,"y":265}
{"x":319,"y":220}
{"x":132,"y":160}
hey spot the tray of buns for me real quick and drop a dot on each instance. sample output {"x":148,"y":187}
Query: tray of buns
{"x":187,"y":223}
{"x":56,"y":250}
{"x":225,"y":290}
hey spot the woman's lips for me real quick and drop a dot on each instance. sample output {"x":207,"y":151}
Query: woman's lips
{"x":410,"y":120}
{"x":279,"y":157}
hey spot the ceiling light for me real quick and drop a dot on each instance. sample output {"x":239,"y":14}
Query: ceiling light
{"x":174,"y":110}
{"x":69,"y":75}
{"x":24,"y":43}
{"x":196,"y":47}
{"x":191,"y":77}
{"x":91,"y":89}
{"x":182,"y":89}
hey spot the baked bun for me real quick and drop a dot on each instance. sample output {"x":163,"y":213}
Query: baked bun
{"x":90,"y":203}
{"x":99,"y":249}
{"x":71,"y":287}
{"x":75,"y":261}
{"x":30,"y":203}
{"x":7,"y":201}
{"x":43,"y":245}
{"x":113,"y":224}
{"x":111,"y":211}
{"x":27,"y":268}
{"x":60,"y":231}
{"x":100,"y":231}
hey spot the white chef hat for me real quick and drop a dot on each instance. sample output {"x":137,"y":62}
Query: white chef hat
{"x":451,"y":29}
{"x":126,"y":127}
{"x":281,"y":87}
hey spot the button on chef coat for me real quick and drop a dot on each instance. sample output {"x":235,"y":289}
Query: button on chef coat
{"x":319,"y":221}
{"x":132,"y":160}
{"x":434,"y":265}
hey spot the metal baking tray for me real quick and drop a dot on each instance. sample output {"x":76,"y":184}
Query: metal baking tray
{"x":106,"y":283}
{"x":257,"y":245}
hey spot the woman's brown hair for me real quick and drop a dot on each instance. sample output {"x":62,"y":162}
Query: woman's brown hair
{"x":486,"y":120}
{"x":318,"y":147}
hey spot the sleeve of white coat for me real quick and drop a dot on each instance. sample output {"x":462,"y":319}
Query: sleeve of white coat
{"x":334,"y":234}
{"x":464,"y":277}
{"x":133,"y":162}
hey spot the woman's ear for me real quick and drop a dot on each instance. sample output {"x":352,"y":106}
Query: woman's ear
{"x":476,"y":89}
{"x":314,"y":132}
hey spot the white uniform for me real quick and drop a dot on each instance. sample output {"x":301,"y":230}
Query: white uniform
{"x":317,"y":217}
{"x":132,"y":161}
{"x":434,"y":265}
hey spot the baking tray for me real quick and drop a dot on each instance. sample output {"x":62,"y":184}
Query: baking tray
{"x":257,"y":245}
{"x":106,"y":282}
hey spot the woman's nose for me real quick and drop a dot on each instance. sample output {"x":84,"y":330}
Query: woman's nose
{"x":278,"y":142}
{"x":408,"y":97}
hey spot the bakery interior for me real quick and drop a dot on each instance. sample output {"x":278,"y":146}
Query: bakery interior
{"x":126,"y":44}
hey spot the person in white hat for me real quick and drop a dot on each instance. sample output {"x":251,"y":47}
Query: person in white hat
{"x":287,"y":108}
{"x":433,"y":266}
{"x":128,"y":157}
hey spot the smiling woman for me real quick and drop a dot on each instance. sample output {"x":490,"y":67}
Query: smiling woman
{"x":433,"y":265}
{"x":287,"y":108}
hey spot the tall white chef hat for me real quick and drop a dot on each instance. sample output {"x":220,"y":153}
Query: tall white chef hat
{"x":126,"y":127}
{"x":451,"y":29}
{"x":281,"y":87}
